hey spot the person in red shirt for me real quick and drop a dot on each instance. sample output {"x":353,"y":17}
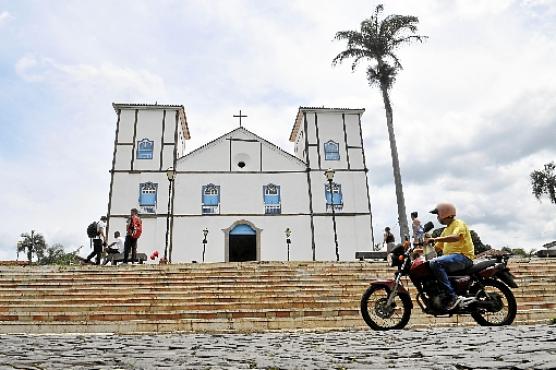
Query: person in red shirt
{"x":134,"y":230}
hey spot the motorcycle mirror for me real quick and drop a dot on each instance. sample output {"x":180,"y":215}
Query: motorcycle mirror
{"x":428,"y":227}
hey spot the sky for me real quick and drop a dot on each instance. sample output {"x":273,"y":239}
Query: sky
{"x":474,"y":106}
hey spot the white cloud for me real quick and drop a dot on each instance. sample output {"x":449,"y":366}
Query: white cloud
{"x":5,"y":17}
{"x":119,"y":81}
{"x":474,"y":108}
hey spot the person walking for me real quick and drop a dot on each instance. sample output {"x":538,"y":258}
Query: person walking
{"x":389,"y":240}
{"x":98,"y":241}
{"x":134,"y":230}
{"x":418,"y":231}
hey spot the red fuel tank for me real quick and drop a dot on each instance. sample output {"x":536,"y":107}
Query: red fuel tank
{"x":420,"y":269}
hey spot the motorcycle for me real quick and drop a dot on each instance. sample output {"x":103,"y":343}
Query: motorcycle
{"x":387,"y":304}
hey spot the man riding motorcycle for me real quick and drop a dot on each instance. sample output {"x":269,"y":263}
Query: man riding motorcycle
{"x":458,"y":251}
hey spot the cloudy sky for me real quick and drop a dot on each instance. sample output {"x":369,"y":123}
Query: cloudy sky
{"x":474,"y":107}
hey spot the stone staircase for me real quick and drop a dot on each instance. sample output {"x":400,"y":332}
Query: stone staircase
{"x":221,"y":297}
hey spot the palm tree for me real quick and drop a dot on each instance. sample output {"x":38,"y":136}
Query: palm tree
{"x":376,"y":43}
{"x":32,"y":243}
{"x":544,"y":182}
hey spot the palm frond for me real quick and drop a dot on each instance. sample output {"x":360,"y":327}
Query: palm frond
{"x":349,"y":53}
{"x":397,"y":63}
{"x":407,"y":39}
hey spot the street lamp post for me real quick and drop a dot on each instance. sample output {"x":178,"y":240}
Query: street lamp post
{"x":171,"y":174}
{"x":205,"y":233}
{"x":288,"y":232}
{"x":329,"y":173}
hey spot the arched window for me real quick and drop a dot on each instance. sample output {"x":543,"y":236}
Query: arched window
{"x":331,"y":151}
{"x":211,"y":199}
{"x":271,"y":196}
{"x":147,"y":196}
{"x":145,"y":149}
{"x":334,"y":198}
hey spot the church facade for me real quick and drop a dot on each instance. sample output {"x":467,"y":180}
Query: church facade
{"x":241,"y":189}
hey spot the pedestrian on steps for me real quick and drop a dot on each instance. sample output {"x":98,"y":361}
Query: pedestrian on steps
{"x":99,"y":241}
{"x":134,"y":230}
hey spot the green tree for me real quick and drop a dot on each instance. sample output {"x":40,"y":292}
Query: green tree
{"x":56,"y":255}
{"x":32,"y":244}
{"x":376,"y":43}
{"x":544,"y":182}
{"x":520,"y":252}
{"x":478,"y":244}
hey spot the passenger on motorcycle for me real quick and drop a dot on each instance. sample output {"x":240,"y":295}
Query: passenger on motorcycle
{"x":457,"y":247}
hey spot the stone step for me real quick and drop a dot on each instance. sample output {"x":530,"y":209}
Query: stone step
{"x":241,"y":324}
{"x":220,"y":297}
{"x":77,"y":298}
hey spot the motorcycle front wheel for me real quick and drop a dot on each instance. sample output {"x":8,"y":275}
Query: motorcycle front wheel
{"x":497,"y":305}
{"x":378,"y":315}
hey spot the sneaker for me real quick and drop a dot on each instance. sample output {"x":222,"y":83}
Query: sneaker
{"x":454,"y":303}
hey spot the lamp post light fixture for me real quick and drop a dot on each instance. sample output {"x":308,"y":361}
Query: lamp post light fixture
{"x":205,"y":233}
{"x":329,"y":174}
{"x":171,"y":174}
{"x":288,"y":233}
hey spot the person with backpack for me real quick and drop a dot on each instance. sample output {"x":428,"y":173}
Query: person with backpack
{"x":134,"y":230}
{"x":98,"y":234}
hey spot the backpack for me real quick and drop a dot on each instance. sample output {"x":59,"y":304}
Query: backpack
{"x":92,"y":231}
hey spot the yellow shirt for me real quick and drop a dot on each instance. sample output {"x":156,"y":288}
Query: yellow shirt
{"x":463,"y":246}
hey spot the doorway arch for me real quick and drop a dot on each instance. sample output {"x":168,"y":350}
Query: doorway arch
{"x":242,"y":242}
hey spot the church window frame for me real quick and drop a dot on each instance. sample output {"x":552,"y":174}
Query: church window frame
{"x":210,"y":199}
{"x":331,"y":151}
{"x":145,"y":149}
{"x":148,"y":194}
{"x":335,"y":198}
{"x":272,"y":199}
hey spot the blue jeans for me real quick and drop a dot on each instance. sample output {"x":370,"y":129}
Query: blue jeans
{"x":441,"y":266}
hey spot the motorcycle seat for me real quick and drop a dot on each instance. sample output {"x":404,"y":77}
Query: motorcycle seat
{"x":479,"y":265}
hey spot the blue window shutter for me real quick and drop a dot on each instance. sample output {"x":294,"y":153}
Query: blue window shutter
{"x":327,"y":195}
{"x":271,"y":194}
{"x":147,"y":194}
{"x":331,"y":151}
{"x":333,"y":197}
{"x":211,"y":200}
{"x":211,"y":195}
{"x":148,"y":199}
{"x":337,"y":198}
{"x":271,"y":199}
{"x":145,"y":149}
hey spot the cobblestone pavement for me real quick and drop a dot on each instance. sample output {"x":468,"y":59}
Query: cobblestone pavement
{"x":515,"y":347}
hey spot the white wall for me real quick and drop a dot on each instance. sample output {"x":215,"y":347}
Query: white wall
{"x":241,"y":196}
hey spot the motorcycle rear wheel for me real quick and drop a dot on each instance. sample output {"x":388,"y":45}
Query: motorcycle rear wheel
{"x":380,"y":317}
{"x":504,"y":297}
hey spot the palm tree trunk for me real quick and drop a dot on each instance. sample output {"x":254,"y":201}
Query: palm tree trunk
{"x":402,"y":214}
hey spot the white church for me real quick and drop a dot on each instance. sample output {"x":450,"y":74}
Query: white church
{"x":247,"y":195}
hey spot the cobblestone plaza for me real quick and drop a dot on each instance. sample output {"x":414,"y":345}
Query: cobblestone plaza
{"x":514,"y":347}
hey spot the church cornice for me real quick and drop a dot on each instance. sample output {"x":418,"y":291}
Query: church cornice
{"x":143,"y":106}
{"x":305,"y":170}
